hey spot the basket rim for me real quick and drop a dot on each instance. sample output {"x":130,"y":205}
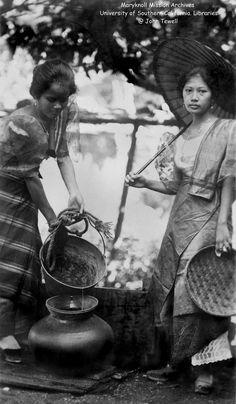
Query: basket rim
{"x":231,"y":311}
{"x":210,"y":246}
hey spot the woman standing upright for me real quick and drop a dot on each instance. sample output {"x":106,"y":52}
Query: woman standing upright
{"x":198,"y":84}
{"x":27,"y":137}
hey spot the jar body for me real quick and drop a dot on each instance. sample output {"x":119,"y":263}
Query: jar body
{"x":75,"y":343}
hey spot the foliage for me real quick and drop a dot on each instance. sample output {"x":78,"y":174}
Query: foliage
{"x":131,"y":264}
{"x":76,"y":30}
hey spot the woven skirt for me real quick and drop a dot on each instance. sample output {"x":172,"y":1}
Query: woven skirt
{"x":191,"y":227}
{"x":190,"y":329}
{"x":20,"y":242}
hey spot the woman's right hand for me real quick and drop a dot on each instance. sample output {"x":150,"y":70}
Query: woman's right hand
{"x":52,"y":224}
{"x":135,"y":180}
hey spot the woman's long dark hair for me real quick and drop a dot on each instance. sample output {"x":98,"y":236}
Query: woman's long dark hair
{"x":51,"y":71}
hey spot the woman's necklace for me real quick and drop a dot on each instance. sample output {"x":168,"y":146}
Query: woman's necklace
{"x":49,"y":132}
{"x":194,"y":134}
{"x":44,"y":127}
{"x":50,"y":127}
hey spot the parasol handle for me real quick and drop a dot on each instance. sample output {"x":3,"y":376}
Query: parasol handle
{"x":160,"y":151}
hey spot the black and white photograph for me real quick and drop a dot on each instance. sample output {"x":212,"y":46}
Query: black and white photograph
{"x":117,"y":202}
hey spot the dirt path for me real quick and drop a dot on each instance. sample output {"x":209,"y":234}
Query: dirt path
{"x":134,"y":389}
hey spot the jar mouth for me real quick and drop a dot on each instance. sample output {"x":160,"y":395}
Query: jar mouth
{"x":65,"y":304}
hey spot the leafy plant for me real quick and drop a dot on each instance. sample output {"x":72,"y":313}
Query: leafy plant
{"x":82,"y":33}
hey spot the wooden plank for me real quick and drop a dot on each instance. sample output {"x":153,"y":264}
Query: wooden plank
{"x":42,"y":385}
{"x":30,"y":376}
{"x":87,"y":117}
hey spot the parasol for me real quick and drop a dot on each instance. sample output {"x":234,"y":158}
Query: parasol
{"x":177,"y":56}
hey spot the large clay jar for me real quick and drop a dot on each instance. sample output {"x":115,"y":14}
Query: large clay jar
{"x":72,"y":339}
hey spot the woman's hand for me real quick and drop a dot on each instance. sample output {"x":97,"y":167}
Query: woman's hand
{"x":223,"y":238}
{"x":76,"y":201}
{"x":53,"y":224}
{"x":135,"y":180}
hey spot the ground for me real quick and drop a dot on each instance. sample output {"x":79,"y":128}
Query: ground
{"x":135,"y":388}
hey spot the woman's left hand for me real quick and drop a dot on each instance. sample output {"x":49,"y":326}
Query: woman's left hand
{"x":76,"y":201}
{"x":223,"y":238}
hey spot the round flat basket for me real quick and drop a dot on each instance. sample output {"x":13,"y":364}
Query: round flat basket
{"x":211,"y":281}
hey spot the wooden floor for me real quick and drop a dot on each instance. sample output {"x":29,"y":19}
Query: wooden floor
{"x":28,"y":386}
{"x":28,"y":375}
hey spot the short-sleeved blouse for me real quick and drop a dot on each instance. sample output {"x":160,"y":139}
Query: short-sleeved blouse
{"x":211,"y":159}
{"x":185,"y":153}
{"x":24,"y":143}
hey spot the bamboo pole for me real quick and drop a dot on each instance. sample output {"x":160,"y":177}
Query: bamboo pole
{"x":157,"y":154}
{"x":125,"y":188}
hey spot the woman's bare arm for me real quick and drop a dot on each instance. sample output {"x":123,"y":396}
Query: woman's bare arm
{"x":223,"y":237}
{"x":68,"y":175}
{"x":39,"y":198}
{"x":139,"y":181}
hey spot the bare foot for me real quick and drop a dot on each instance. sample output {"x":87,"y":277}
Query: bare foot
{"x":204,"y":383}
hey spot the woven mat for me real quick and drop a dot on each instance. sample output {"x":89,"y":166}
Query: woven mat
{"x":211,"y":281}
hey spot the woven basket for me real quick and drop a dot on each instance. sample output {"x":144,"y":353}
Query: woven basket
{"x":211,"y":281}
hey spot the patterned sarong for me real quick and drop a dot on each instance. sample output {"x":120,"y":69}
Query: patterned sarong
{"x":19,"y":245}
